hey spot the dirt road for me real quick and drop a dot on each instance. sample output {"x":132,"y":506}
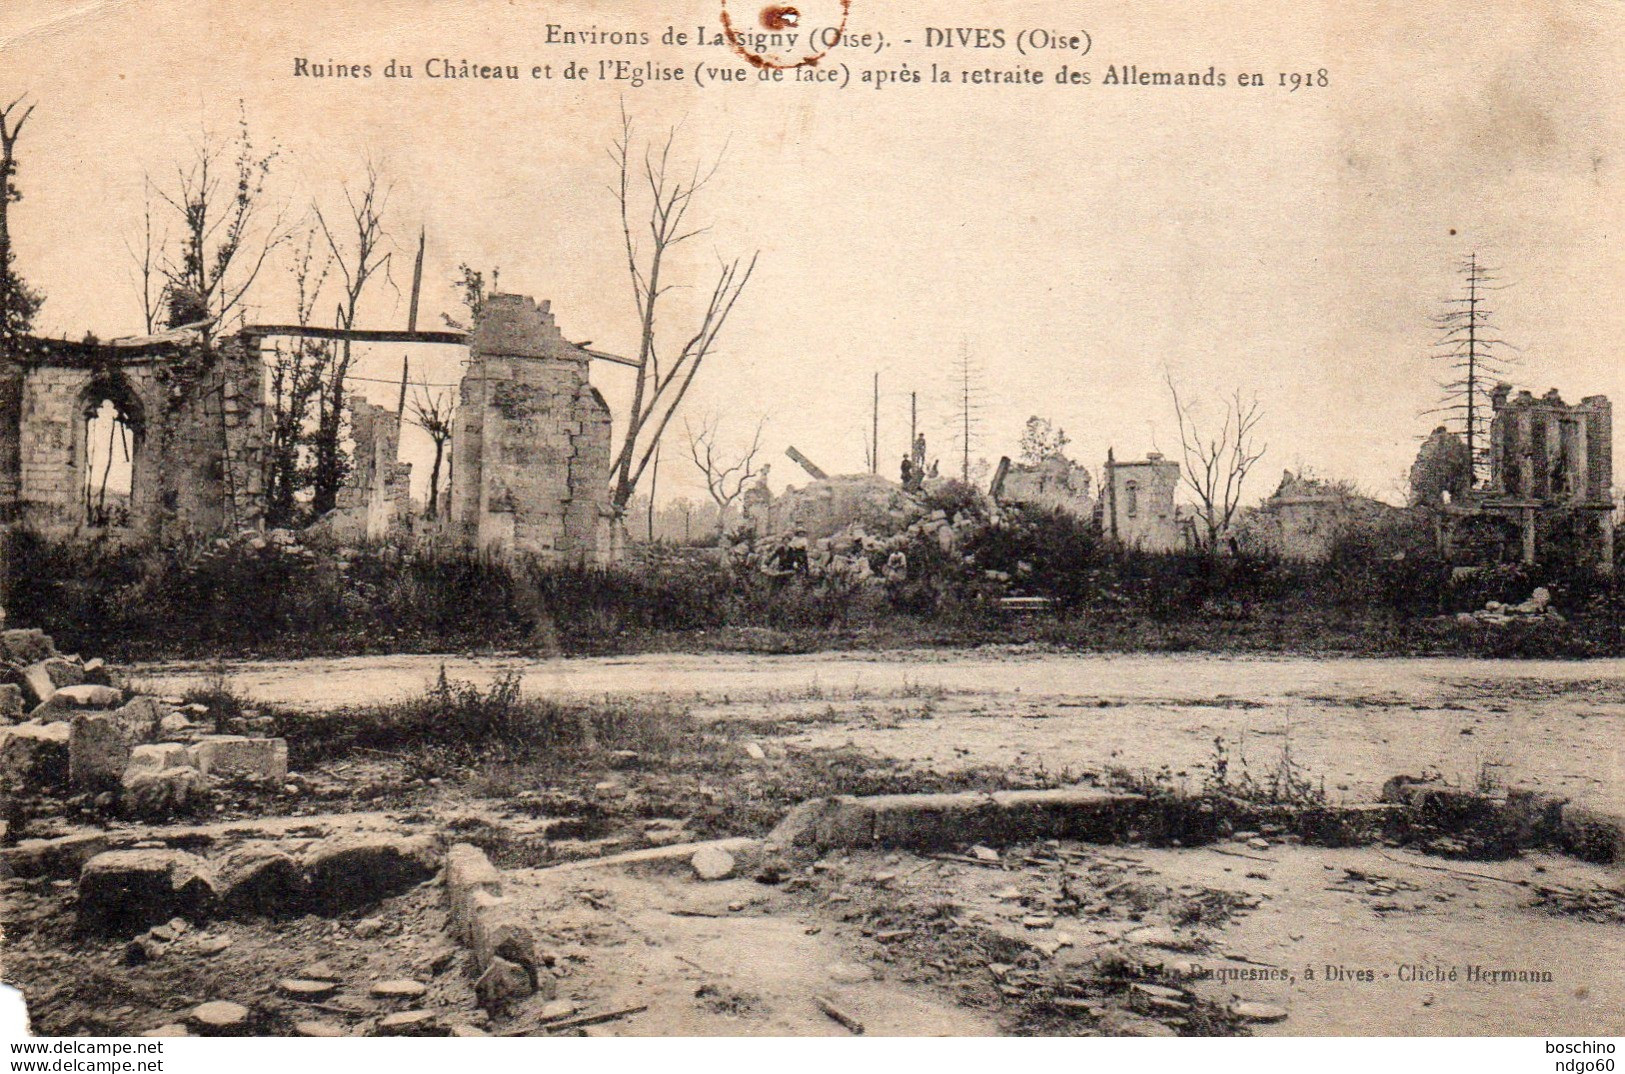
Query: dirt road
{"x":1351,"y":722}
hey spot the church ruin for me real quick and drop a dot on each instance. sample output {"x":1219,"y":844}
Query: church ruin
{"x":164,"y":435}
{"x":1551,"y":472}
{"x":530,"y":444}
{"x":151,"y":437}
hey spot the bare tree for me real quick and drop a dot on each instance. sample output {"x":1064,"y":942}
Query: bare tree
{"x":662,"y":378}
{"x":297,"y":372}
{"x":725,"y":475}
{"x":433,"y":414}
{"x":147,"y":267}
{"x":18,"y":302}
{"x":1217,"y":463}
{"x":969,"y":392}
{"x":1476,"y":358}
{"x":225,"y":242}
{"x":360,"y":257}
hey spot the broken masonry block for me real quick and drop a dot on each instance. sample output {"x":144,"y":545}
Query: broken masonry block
{"x":125,"y":891}
{"x":351,"y":871}
{"x":34,"y":755}
{"x":502,"y":984}
{"x":497,"y":929}
{"x":71,"y":699}
{"x":99,"y":748}
{"x":237,"y":755}
{"x":468,"y":871}
{"x":160,"y":792}
{"x":260,"y":879}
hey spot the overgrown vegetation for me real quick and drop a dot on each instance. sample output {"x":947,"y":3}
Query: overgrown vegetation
{"x":1378,"y":593}
{"x":457,"y":725}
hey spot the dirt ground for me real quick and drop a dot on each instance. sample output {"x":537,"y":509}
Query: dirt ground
{"x":1553,"y":725}
{"x":948,"y":947}
{"x":1046,"y":938}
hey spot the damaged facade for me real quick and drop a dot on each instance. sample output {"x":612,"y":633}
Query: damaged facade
{"x":1137,"y":505}
{"x":184,"y":421}
{"x":1551,"y":471}
{"x":1306,"y":517}
{"x":1056,"y":483}
{"x":181,"y":421}
{"x":375,"y":501}
{"x":531,"y":441}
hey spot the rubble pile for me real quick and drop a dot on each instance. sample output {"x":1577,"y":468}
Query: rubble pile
{"x":66,"y":727}
{"x":857,"y":553}
{"x":1538,"y":608}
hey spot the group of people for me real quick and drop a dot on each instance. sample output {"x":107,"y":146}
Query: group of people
{"x":914,"y":468}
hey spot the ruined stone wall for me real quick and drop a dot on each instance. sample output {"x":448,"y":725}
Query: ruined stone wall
{"x":1306,"y":518}
{"x":196,"y":438}
{"x":1544,"y":449}
{"x":1140,"y":505}
{"x":531,"y":440}
{"x":1055,"y":484}
{"x":375,"y":501}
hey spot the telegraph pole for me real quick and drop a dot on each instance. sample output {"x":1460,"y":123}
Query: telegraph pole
{"x":874,"y":431}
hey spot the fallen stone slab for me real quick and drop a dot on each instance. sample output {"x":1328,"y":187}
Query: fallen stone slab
{"x":677,"y":855}
{"x":125,"y":891}
{"x":99,"y":748}
{"x":242,"y":757}
{"x":1593,"y":835}
{"x":26,"y":646}
{"x":160,"y":792}
{"x":352,"y":871}
{"x":13,"y":705}
{"x":260,"y":879}
{"x":64,"y":856}
{"x":71,"y":699}
{"x":220,"y":1018}
{"x":410,"y":1024}
{"x":34,"y":755}
{"x":938,"y":821}
{"x":468,"y":872}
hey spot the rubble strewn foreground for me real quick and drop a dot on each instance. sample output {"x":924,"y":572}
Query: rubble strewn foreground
{"x":70,"y":728}
{"x":683,"y":876}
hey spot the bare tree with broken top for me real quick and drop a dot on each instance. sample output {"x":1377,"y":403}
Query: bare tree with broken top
{"x":297,"y":371}
{"x":227,"y":232}
{"x":1216,"y":464}
{"x":725,"y":474}
{"x":18,"y":302}
{"x":433,"y":413}
{"x":360,"y":257}
{"x":663,"y":378}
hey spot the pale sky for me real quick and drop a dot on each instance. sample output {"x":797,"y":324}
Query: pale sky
{"x":1079,"y":240}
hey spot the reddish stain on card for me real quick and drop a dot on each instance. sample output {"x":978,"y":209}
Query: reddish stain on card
{"x":780,"y":18}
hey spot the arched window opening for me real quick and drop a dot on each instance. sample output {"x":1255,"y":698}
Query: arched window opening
{"x":112,"y":433}
{"x":1131,"y":498}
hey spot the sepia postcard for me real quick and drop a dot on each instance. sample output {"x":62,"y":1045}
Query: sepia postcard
{"x":812,"y":518}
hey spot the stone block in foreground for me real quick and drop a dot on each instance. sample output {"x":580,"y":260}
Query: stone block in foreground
{"x":937,"y":821}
